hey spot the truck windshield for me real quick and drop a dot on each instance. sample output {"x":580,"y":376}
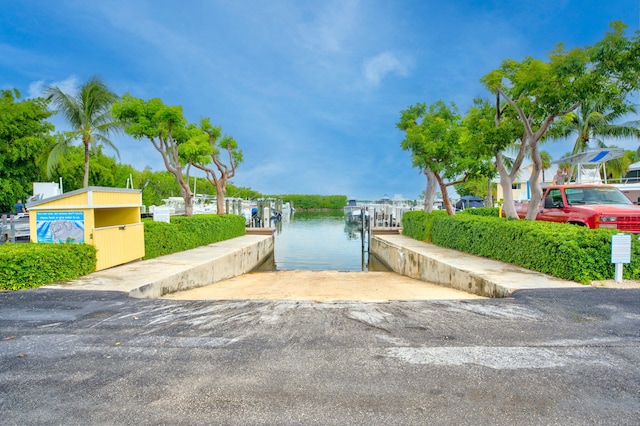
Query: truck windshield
{"x":595,"y":195}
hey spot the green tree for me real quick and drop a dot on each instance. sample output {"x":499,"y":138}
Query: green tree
{"x":413,"y":112}
{"x":156,"y":186}
{"x":203,"y":149}
{"x":618,"y":167}
{"x":493,"y":132}
{"x":545,"y":158}
{"x":477,"y":187}
{"x":595,"y":120}
{"x":90,"y":119}
{"x":166,"y":128}
{"x":439,"y":142}
{"x":105,"y":171}
{"x":25,"y":135}
{"x":542,"y":91}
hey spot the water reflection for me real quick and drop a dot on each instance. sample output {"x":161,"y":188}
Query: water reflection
{"x":319,"y":241}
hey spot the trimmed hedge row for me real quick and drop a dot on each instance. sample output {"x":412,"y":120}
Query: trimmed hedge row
{"x":32,"y":265}
{"x":482,"y":211}
{"x":561,"y":250}
{"x":418,"y":223}
{"x":311,"y":202}
{"x":184,"y":233}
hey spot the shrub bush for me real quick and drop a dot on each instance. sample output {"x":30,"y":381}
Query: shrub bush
{"x":418,"y":223}
{"x":561,"y":250}
{"x":31,"y":265}
{"x":315,"y":202}
{"x":482,"y":211}
{"x":28,"y":265}
{"x":184,"y":233}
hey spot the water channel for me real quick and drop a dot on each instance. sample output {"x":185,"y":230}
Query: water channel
{"x":319,"y":241}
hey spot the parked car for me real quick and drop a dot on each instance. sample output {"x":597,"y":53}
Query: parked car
{"x":590,"y":205}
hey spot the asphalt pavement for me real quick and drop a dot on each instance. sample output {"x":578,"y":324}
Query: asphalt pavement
{"x":553,"y":356}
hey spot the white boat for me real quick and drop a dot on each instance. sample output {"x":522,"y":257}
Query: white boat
{"x":14,"y":227}
{"x":629,"y":185}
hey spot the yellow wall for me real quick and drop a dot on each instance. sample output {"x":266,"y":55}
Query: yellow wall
{"x":77,"y":200}
{"x":112,"y":199}
{"x":111,"y":222}
{"x":117,"y":216}
{"x":118,"y":244}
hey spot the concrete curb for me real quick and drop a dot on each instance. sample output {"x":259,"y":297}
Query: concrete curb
{"x":450,"y":268}
{"x":179,"y":271}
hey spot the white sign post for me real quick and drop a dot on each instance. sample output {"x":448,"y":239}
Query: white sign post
{"x":620,"y":253}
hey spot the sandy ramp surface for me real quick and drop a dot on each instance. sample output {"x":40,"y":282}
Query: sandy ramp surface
{"x":322,"y":286}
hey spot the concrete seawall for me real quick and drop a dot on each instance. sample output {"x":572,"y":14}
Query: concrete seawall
{"x":210,"y":264}
{"x":180,"y":271}
{"x":451,"y":268}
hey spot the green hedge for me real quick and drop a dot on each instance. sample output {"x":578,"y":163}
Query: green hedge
{"x":29,"y":265}
{"x":418,"y":223}
{"x":482,"y":211}
{"x":184,"y":233}
{"x":564,"y":251}
{"x":305,"y":202}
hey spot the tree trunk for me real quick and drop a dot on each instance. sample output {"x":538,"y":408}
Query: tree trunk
{"x":85,"y":180}
{"x":508,"y":206}
{"x":534,"y":182}
{"x":445,"y":195}
{"x":446,"y":200}
{"x":186,"y":193}
{"x":221,"y":191}
{"x":430,"y":192}
{"x":489,"y":193}
{"x":188,"y":201}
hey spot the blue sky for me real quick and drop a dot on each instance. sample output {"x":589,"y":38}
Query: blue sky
{"x":311,"y":90}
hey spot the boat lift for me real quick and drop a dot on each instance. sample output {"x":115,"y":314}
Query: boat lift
{"x":586,"y":166}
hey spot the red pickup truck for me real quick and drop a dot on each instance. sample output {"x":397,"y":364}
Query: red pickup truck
{"x":591,"y":205}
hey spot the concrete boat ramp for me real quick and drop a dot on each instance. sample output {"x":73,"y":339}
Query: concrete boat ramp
{"x":222,"y":271}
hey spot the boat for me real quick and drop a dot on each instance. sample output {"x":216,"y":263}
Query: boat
{"x":15,"y":227}
{"x":589,"y":167}
{"x":629,"y":185}
{"x":385,"y":212}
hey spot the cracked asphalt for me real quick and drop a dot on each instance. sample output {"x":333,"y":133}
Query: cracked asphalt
{"x":540,"y":357}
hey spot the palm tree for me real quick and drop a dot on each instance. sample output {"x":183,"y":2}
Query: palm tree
{"x":618,"y":167}
{"x":546,"y":162}
{"x":89,"y":115}
{"x":594,"y":121}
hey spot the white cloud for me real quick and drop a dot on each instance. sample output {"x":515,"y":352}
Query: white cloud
{"x":334,"y":24}
{"x":68,"y":85}
{"x":377,"y":67}
{"x":36,"y":89}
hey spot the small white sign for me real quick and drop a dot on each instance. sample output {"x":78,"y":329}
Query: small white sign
{"x":621,"y":248}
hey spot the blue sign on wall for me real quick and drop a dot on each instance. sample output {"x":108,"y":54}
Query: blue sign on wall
{"x":60,"y":227}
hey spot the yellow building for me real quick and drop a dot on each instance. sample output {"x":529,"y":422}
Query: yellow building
{"x":520,"y":188}
{"x":106,"y":218}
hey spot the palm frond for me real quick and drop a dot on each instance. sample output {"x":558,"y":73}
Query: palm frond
{"x":89,"y":116}
{"x":58,"y":151}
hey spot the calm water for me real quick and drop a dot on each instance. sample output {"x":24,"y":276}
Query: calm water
{"x":319,"y":241}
